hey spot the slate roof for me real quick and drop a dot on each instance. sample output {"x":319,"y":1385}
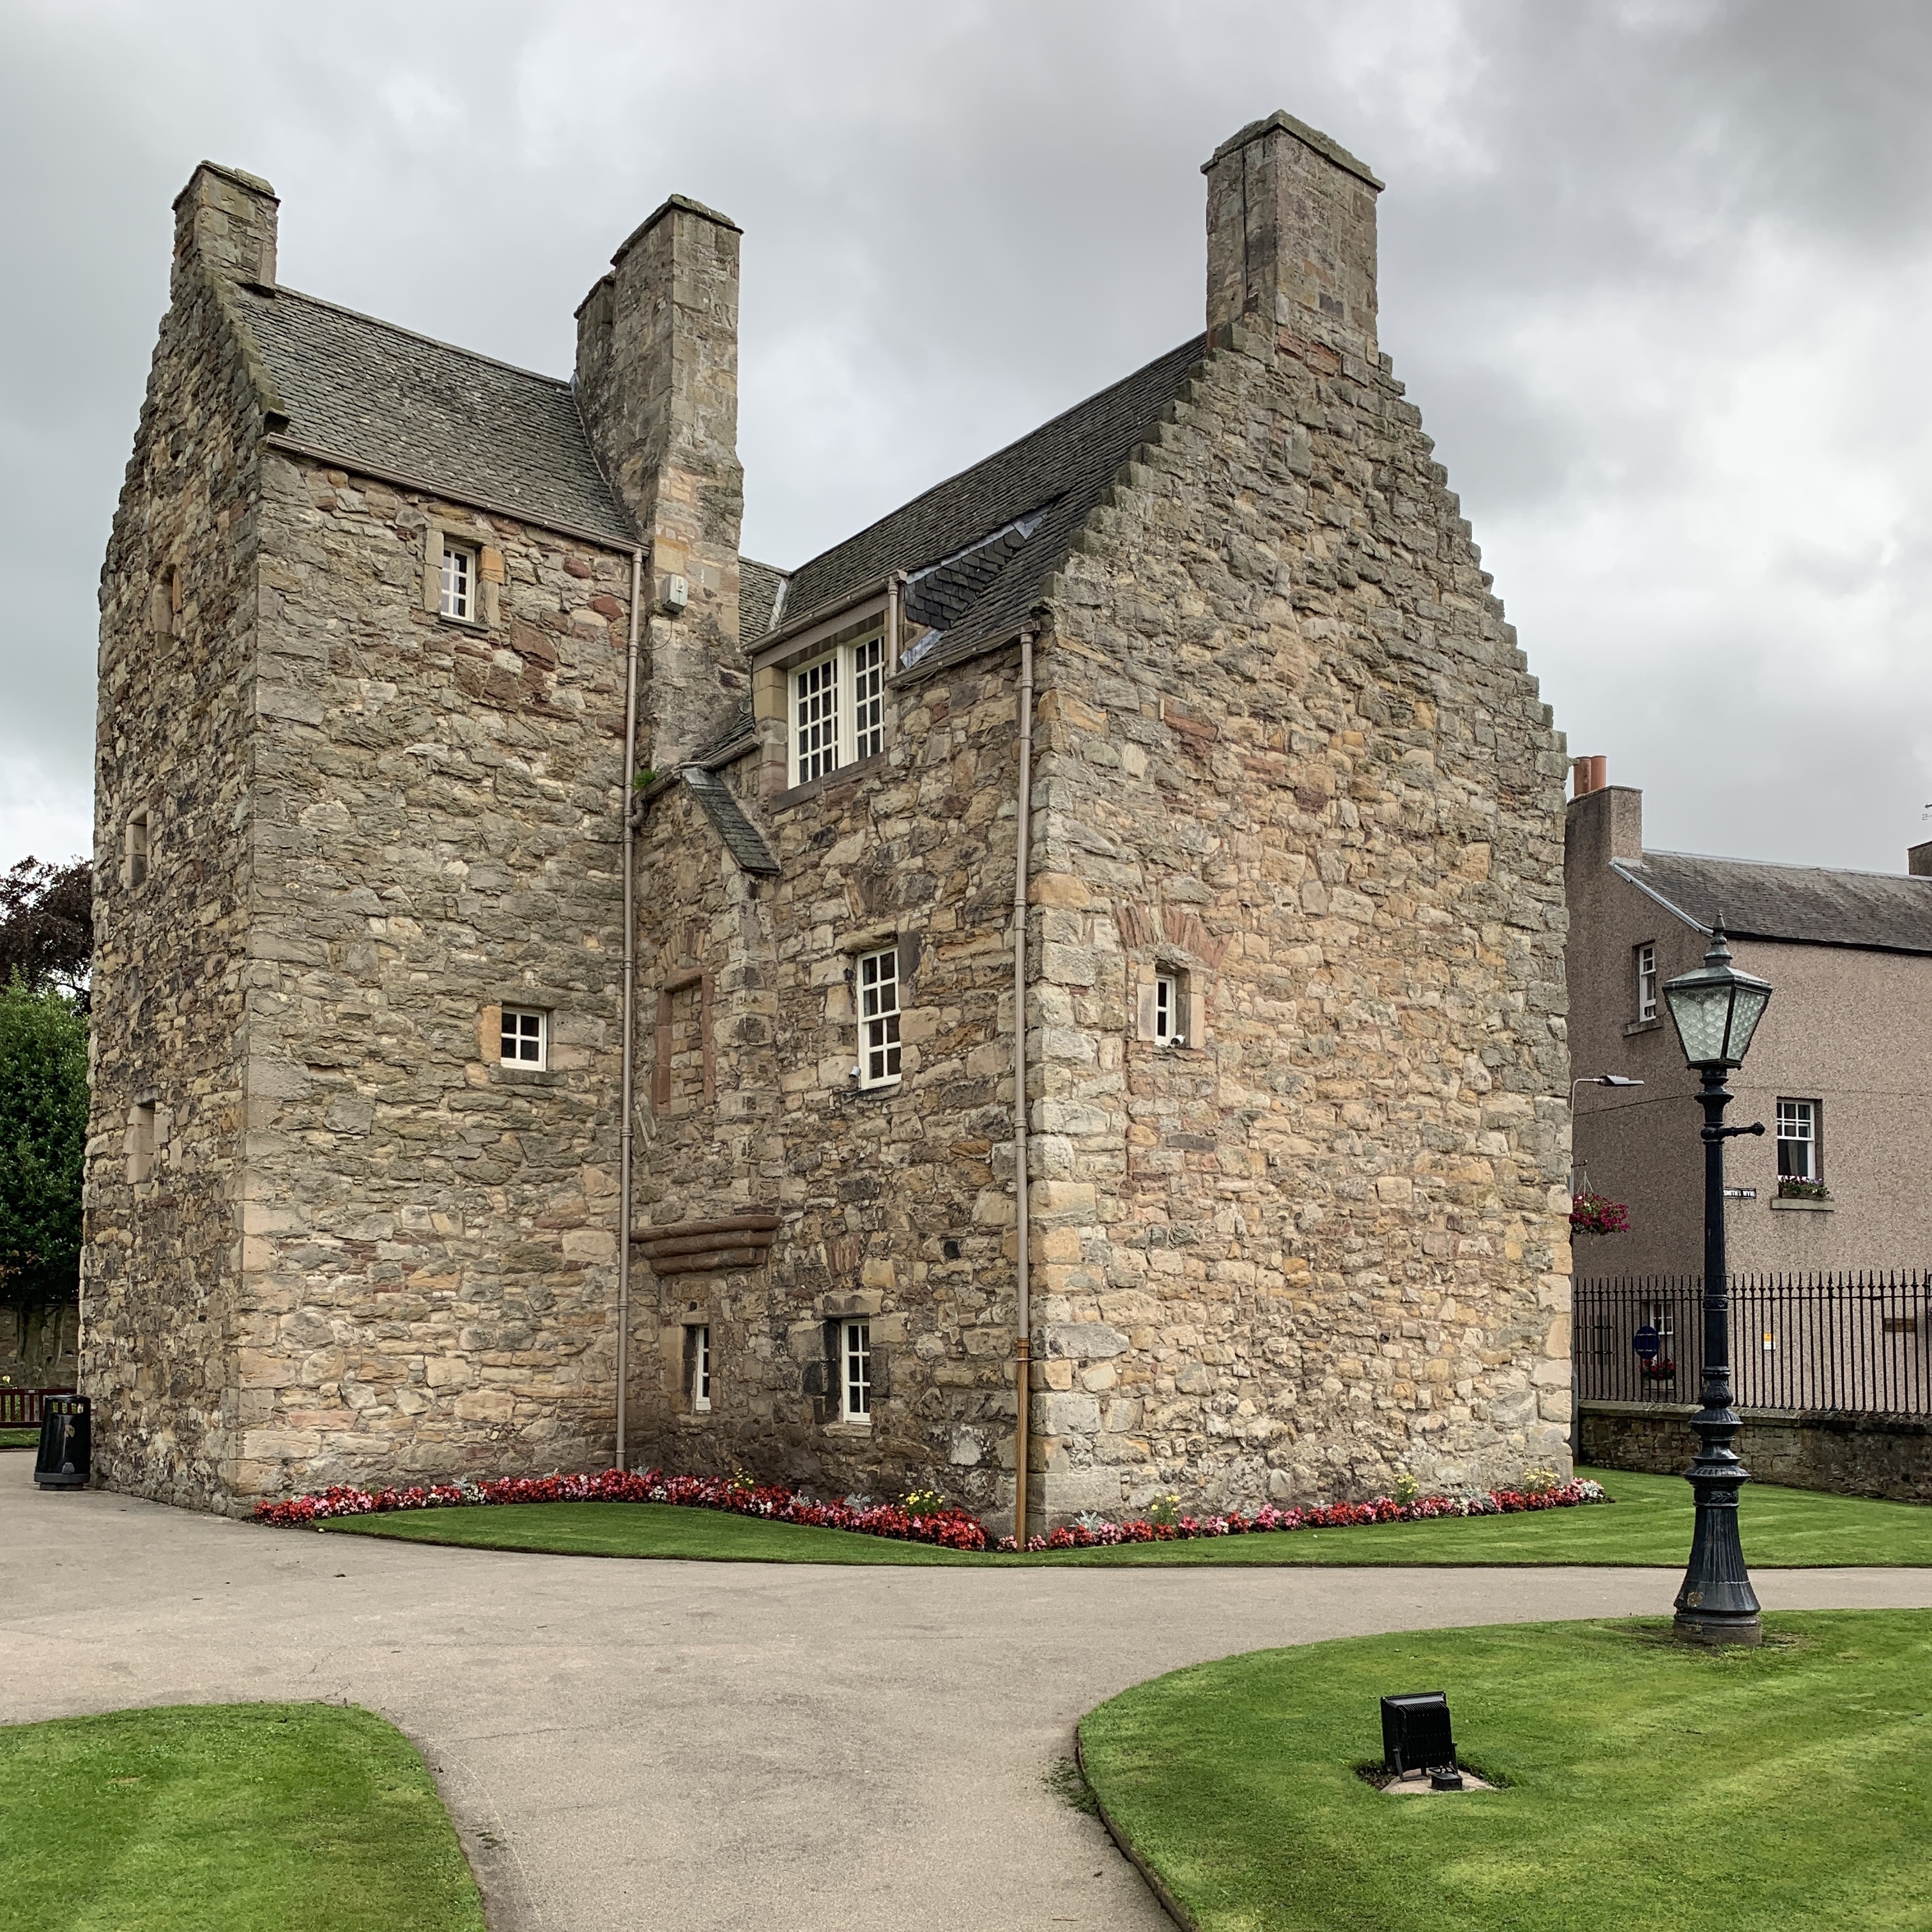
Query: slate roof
{"x":742,"y":838}
{"x":384,"y":399}
{"x":979,"y":547}
{"x":758,"y":587}
{"x":1809,"y":905}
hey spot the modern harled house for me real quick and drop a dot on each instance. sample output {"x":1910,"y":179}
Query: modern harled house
{"x":417,"y":669}
{"x":1840,"y":1070}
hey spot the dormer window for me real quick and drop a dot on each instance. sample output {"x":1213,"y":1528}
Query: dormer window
{"x":837,"y":708}
{"x":459,"y":583}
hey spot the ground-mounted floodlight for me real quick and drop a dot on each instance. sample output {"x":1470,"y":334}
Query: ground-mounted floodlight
{"x":1716,"y":1010}
{"x":1416,"y":1735}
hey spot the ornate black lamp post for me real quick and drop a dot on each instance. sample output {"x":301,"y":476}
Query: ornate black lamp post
{"x":1716,"y":1009}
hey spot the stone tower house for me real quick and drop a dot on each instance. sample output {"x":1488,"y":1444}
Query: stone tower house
{"x":1208,"y":663}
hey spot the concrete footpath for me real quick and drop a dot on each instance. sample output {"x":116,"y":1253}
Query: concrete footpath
{"x":694,"y":1747}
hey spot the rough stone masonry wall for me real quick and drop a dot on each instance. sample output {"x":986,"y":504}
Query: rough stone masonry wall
{"x":431,"y":1237}
{"x":896,"y":1203}
{"x":1290,"y":749}
{"x":1849,"y":1455}
{"x":159,"y":1269}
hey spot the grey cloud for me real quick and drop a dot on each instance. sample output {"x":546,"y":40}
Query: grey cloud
{"x":960,"y":218}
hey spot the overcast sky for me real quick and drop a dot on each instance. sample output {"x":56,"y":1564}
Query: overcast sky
{"x":1658,"y":276}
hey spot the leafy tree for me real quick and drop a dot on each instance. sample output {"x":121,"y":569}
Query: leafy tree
{"x":47,"y":925}
{"x":43,"y":1140}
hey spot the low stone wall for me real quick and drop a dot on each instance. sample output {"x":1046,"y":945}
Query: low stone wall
{"x":1852,"y":1455}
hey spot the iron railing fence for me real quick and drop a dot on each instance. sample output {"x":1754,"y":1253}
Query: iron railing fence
{"x":1854,"y":1343}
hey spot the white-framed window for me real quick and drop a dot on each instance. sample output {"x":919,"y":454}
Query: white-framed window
{"x":838,"y":703}
{"x":698,"y":1351}
{"x":1797,"y":1140}
{"x":1169,"y":1023}
{"x":868,"y":697}
{"x":815,"y":710}
{"x":458,"y":584}
{"x":138,"y":850}
{"x":855,"y":1365}
{"x":879,"y":1017}
{"x":526,"y":1035}
{"x":1646,"y":981}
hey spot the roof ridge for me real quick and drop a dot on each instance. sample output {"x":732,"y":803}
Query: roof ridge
{"x":994,"y":455}
{"x":415,"y":335}
{"x":1779,"y":865}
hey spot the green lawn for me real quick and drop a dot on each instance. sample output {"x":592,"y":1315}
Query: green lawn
{"x":243,"y":1817}
{"x":1646,"y":1783}
{"x":1649,"y":1523}
{"x":19,"y":1439}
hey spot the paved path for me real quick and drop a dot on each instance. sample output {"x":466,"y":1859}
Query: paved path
{"x":703,"y":1747}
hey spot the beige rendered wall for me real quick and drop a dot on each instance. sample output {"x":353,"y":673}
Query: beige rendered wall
{"x":1850,"y":1029}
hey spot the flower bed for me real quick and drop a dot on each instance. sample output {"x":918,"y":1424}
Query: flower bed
{"x":948,"y":1526}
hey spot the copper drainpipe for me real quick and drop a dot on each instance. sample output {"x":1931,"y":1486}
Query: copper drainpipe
{"x":1023,"y":1321}
{"x":629,"y":1004}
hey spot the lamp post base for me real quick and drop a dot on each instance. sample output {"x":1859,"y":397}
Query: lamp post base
{"x":1716,"y":1627}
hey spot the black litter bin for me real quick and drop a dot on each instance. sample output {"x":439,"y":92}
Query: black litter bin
{"x":67,"y":1444}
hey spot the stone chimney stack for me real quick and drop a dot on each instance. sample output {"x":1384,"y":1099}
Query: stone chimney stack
{"x":1291,"y":235}
{"x":226,"y":219}
{"x":657,"y":384}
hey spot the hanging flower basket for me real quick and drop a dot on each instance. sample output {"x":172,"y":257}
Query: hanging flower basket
{"x":1597,"y":1214}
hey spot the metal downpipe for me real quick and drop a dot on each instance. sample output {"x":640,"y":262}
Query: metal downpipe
{"x":1023,"y":1321}
{"x":629,"y":1005}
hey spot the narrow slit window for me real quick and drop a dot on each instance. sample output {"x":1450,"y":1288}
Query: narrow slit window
{"x":856,"y":1352}
{"x":879,"y":1018}
{"x":816,"y":691}
{"x":1166,"y":1009}
{"x":868,"y":697}
{"x":1797,"y":1140}
{"x":141,"y":1141}
{"x":697,"y":1344}
{"x":459,"y":582}
{"x":137,"y":849}
{"x":526,"y":1038}
{"x":1646,"y":981}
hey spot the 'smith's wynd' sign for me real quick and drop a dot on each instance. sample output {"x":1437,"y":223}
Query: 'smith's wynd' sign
{"x":1740,"y":1194}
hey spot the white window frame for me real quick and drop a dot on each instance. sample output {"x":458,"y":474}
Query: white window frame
{"x":1800,"y":1118}
{"x":700,"y":1369}
{"x":836,"y":704}
{"x":855,"y":1372}
{"x":514,"y":1029}
{"x":875,"y":994}
{"x":1646,"y":980}
{"x":457,"y":576}
{"x":1169,"y":1008}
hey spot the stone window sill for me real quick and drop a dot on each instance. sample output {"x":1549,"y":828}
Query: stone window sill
{"x":1785,"y":1204}
{"x":1642,"y":1026}
{"x":474,"y":626}
{"x":856,"y":1432}
{"x":528,"y":1076}
{"x":860,"y":768}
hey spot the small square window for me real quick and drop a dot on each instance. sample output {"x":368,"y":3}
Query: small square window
{"x":526,"y":1038}
{"x":458,"y":585}
{"x":697,"y":1367}
{"x":855,"y":1348}
{"x":1646,"y":981}
{"x":137,"y":849}
{"x":1797,"y":1141}
{"x":879,"y":1018}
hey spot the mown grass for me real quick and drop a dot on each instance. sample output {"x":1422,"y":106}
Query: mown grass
{"x":19,"y":1439}
{"x":246,"y":1817}
{"x":1645,"y":1782}
{"x":1648,"y":1524}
